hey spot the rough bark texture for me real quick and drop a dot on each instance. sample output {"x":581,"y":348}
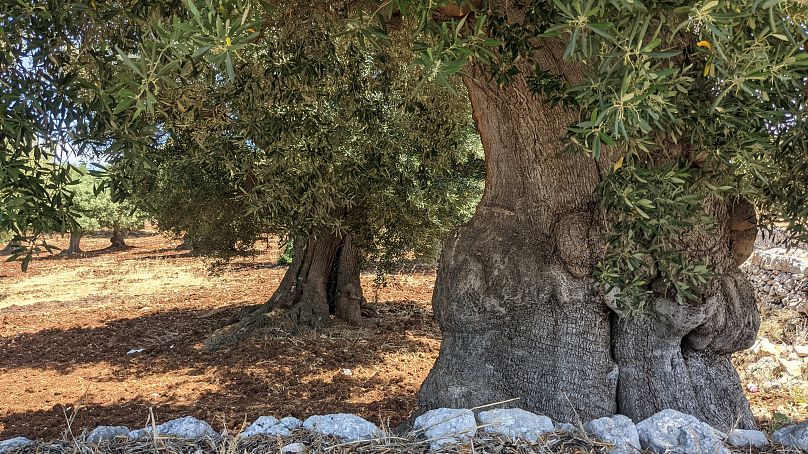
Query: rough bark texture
{"x":116,"y":239}
{"x":346,"y":291}
{"x":522,"y":318}
{"x":75,"y":243}
{"x":323,"y":278}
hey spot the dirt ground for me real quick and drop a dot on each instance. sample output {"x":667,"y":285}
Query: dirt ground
{"x":72,"y":330}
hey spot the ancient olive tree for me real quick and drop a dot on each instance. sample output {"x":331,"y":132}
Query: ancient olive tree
{"x":624,"y":141}
{"x":318,"y":141}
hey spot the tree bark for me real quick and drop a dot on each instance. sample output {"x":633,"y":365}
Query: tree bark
{"x":522,"y":318}
{"x":322,"y":279}
{"x":117,"y":240}
{"x":345,"y":296}
{"x":74,"y":247}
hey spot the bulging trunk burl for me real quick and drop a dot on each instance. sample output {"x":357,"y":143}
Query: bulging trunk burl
{"x":323,"y":279}
{"x":521,"y":316}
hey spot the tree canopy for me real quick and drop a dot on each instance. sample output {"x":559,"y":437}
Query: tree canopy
{"x":683,"y":103}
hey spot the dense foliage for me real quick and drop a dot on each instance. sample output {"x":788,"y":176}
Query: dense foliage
{"x":681,"y":102}
{"x":95,"y":209}
{"x":326,"y":139}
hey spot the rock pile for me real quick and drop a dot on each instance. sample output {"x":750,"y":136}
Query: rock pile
{"x":778,"y":274}
{"x":668,"y":431}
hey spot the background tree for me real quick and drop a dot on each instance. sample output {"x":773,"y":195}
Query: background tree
{"x":318,"y":141}
{"x":199,"y":201}
{"x":95,"y":210}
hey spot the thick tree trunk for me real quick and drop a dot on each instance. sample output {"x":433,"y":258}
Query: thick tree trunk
{"x":522,"y":318}
{"x":74,"y":247}
{"x":116,"y":239}
{"x":345,"y":296}
{"x":322,"y":279}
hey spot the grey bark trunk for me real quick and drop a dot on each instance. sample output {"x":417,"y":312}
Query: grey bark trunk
{"x":117,"y":239}
{"x":522,"y":318}
{"x":323,"y":277}
{"x":346,"y":290}
{"x":75,"y":243}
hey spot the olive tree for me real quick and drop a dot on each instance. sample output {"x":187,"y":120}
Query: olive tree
{"x":628,"y":144}
{"x":327,"y":148}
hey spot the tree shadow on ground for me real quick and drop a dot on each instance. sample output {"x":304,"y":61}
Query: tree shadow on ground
{"x":361,"y":370}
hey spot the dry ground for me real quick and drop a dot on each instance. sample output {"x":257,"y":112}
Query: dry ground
{"x":66,"y":328}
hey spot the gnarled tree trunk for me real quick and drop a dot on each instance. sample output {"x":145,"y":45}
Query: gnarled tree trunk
{"x":323,"y":279}
{"x":116,"y":239}
{"x":75,"y":243}
{"x":522,"y":318}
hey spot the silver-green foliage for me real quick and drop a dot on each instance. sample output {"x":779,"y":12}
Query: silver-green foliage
{"x":95,"y":208}
{"x":684,"y":102}
{"x":314,"y":132}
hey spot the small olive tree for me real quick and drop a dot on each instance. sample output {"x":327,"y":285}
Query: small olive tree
{"x":96,"y":210}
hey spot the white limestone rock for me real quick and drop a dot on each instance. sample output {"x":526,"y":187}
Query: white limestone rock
{"x":670,"y":431}
{"x":294,"y":448}
{"x":104,"y":433}
{"x":515,"y":423}
{"x":259,"y":427}
{"x":445,"y":426}
{"x":186,"y":427}
{"x":566,"y":427}
{"x":795,"y":436}
{"x":618,"y":430}
{"x":13,"y":443}
{"x":345,"y":426}
{"x":741,"y":438}
{"x":268,"y":425}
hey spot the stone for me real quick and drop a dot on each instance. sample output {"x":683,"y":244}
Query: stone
{"x":566,"y":427}
{"x":764,"y":347}
{"x":445,"y":426}
{"x":13,"y":443}
{"x":294,"y":448}
{"x":259,"y":427}
{"x":268,"y":425}
{"x":105,"y":433}
{"x":344,"y":426}
{"x":795,"y":436}
{"x":741,"y":438}
{"x":186,"y":427}
{"x":670,"y":431}
{"x":618,"y":430}
{"x":801,"y":350}
{"x":515,"y":423}
{"x":792,"y":367}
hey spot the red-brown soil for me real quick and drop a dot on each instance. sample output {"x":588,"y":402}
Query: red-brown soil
{"x":66,"y":327}
{"x":64,"y":344}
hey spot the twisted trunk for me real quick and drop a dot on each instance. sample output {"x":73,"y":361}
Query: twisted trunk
{"x":522,"y":318}
{"x":345,"y":293}
{"x":117,"y":240}
{"x":75,"y":243}
{"x":323,"y":279}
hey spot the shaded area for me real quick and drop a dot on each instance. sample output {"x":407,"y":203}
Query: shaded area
{"x":364,"y":371}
